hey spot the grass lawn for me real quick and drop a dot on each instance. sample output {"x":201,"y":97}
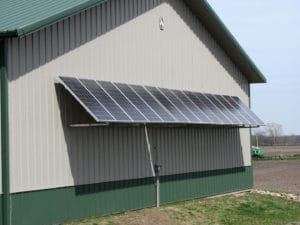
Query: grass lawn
{"x":247,"y":208}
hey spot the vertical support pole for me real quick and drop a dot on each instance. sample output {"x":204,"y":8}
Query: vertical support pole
{"x":157,"y":192}
{"x":157,"y":168}
{"x":4,"y":135}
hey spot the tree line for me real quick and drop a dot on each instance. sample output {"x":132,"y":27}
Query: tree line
{"x":272,"y":134}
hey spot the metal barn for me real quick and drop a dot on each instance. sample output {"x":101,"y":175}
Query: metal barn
{"x":116,"y":105}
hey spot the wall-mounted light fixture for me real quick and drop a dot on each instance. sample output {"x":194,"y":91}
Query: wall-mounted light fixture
{"x":161,"y":23}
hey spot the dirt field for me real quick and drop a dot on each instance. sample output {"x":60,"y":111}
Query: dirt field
{"x":271,"y":151}
{"x":277,"y":175}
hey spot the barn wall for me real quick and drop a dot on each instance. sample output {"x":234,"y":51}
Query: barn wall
{"x":117,"y":41}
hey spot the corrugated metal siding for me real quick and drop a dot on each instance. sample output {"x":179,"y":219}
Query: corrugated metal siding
{"x":185,"y":150}
{"x":117,"y":41}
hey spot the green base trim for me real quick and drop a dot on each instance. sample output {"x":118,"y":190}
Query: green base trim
{"x":202,"y":184}
{"x":54,"y":206}
{"x":71,"y":203}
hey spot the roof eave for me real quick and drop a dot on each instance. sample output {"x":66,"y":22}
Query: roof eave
{"x":8,"y":33}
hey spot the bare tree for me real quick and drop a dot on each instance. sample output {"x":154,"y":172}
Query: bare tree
{"x":274,"y":130}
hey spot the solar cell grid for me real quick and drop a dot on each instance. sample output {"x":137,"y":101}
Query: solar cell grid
{"x":167,"y":104}
{"x":153,"y":103}
{"x":97,"y":111}
{"x":192,"y":106}
{"x":207,"y":109}
{"x":105,"y":99}
{"x":215,"y":109}
{"x":131,"y":111}
{"x":246,"y":109}
{"x":232,"y":109}
{"x":115,"y":102}
{"x":139,"y":103}
{"x":236,"y":104}
{"x":180,"y":105}
{"x":223,"y":109}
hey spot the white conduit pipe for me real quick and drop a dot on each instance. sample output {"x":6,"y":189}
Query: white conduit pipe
{"x":149,"y":151}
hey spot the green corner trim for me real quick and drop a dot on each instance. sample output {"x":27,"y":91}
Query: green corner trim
{"x":72,"y":203}
{"x":4,"y":136}
{"x":1,"y":210}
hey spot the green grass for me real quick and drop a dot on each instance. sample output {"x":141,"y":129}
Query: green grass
{"x":242,"y":209}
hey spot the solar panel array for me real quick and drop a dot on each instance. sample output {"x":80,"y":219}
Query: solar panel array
{"x":124,"y":103}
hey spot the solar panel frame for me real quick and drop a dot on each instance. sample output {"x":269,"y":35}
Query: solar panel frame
{"x":112,"y":102}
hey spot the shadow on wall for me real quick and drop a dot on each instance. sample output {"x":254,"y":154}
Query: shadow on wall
{"x":45,"y":45}
{"x":185,"y":150}
{"x":103,"y":156}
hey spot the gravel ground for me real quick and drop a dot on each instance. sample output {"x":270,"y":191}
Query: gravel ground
{"x":277,"y":175}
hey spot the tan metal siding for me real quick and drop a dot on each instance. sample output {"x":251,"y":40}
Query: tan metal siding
{"x":117,"y":41}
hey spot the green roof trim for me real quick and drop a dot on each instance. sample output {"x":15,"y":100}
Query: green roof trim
{"x":18,"y":18}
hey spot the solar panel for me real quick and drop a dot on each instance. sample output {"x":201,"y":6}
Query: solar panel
{"x":202,"y":117}
{"x":207,"y":108}
{"x":180,"y":105}
{"x":233,"y":110}
{"x":232,"y":118}
{"x":105,"y":99}
{"x":124,"y":103}
{"x":167,"y":104}
{"x":246,"y":110}
{"x":139,"y":103}
{"x":98,"y":112}
{"x":238,"y":107}
{"x":153,"y":103}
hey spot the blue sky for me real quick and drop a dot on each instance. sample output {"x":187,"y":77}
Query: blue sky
{"x":269,"y":31}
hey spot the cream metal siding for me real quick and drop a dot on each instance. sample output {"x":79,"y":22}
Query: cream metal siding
{"x":117,"y":41}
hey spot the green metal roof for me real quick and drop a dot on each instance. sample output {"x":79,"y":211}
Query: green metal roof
{"x":20,"y":17}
